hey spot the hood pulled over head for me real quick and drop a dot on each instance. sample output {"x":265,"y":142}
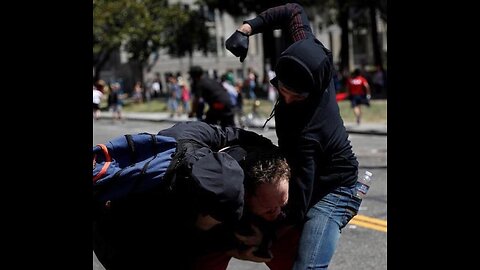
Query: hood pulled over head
{"x":305,"y":67}
{"x":219,"y":181}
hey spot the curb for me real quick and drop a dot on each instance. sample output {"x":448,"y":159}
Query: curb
{"x":169,"y":120}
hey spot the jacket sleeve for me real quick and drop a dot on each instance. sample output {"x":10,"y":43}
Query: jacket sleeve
{"x":290,"y":17}
{"x":215,"y":137}
{"x":303,"y":164}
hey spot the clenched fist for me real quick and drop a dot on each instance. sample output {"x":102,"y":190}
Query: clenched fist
{"x":237,"y":43}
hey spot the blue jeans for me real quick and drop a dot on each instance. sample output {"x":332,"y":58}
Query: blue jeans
{"x":322,"y":228}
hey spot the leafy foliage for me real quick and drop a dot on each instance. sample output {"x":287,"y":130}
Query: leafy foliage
{"x":185,"y":31}
{"x":144,"y":26}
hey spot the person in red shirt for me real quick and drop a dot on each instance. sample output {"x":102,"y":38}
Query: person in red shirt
{"x":358,"y":93}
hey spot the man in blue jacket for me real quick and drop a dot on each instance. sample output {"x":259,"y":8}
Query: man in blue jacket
{"x":219,"y":181}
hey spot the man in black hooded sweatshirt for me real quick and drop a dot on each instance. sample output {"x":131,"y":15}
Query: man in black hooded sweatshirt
{"x":220,"y":108}
{"x":311,"y":134}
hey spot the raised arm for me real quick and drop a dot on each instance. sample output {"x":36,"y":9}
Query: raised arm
{"x":215,"y":137}
{"x":289,"y":17}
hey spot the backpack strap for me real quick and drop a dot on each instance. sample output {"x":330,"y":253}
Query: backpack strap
{"x":108,"y":159}
{"x":154,"y":143}
{"x":139,"y":179}
{"x":131,"y":145}
{"x":133,"y":149}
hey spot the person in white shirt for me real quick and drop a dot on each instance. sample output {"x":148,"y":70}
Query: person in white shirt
{"x":97,"y":98}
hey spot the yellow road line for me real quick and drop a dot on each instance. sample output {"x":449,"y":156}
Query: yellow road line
{"x":370,"y":223}
{"x":376,"y":221}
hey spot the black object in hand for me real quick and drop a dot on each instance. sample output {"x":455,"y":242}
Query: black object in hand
{"x":237,"y":43}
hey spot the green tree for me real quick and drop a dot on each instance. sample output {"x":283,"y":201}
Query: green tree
{"x":109,"y":23}
{"x":142,"y":27}
{"x":186,"y":32}
{"x":134,"y":24}
{"x":145,"y":32}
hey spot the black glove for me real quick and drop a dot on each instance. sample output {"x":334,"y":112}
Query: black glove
{"x":237,"y":43}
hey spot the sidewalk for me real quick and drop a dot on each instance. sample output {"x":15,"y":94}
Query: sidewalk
{"x":364,"y":128}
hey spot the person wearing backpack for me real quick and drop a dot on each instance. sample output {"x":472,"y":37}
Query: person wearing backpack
{"x":197,"y":203}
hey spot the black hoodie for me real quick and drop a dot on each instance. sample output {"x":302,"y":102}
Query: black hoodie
{"x":311,"y":132}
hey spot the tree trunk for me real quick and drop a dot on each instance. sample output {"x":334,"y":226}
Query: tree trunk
{"x":343,"y":17}
{"x":141,"y":78}
{"x":377,"y":56}
{"x":103,"y":58}
{"x":190,"y":60}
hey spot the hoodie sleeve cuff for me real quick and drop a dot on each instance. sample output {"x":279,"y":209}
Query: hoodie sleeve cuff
{"x":256,"y":24}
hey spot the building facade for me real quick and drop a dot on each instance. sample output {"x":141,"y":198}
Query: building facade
{"x":219,"y":60}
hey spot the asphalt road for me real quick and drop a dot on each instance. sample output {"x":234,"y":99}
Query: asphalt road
{"x":360,"y":247}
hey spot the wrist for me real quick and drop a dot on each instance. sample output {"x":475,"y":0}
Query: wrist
{"x":245,"y":29}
